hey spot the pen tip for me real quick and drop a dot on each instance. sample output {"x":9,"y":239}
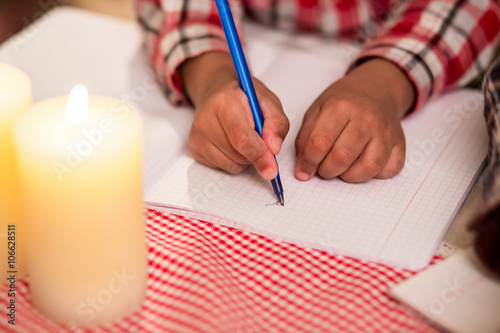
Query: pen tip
{"x":282,"y":202}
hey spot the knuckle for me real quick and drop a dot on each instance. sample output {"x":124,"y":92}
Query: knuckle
{"x":233,"y":168}
{"x":276,"y":100}
{"x":287,"y":125}
{"x":393,"y":169}
{"x":240,"y":96}
{"x":218,"y":99}
{"x":277,"y":118}
{"x":300,"y":140}
{"x":258,"y":156}
{"x":399,"y":163}
{"x":308,"y":164}
{"x":341,"y":104}
{"x":240,"y":139}
{"x":386,"y":131}
{"x":268,"y":98}
{"x":373,"y":166}
{"x":343,"y":157}
{"x":325,"y":173}
{"x":283,"y":124}
{"x":388,"y":173}
{"x":202,"y":124}
{"x":240,"y":159}
{"x":321,"y":143}
{"x":347,"y":177}
{"x":372,"y":118}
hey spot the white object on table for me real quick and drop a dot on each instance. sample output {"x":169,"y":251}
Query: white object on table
{"x":457,"y":295}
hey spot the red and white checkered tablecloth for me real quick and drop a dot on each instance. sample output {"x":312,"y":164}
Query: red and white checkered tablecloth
{"x":209,"y":278}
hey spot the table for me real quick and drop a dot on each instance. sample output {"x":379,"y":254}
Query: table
{"x":209,"y":278}
{"x":202,"y":277}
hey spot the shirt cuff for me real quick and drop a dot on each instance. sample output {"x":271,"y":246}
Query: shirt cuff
{"x":200,"y":40}
{"x":420,"y":64}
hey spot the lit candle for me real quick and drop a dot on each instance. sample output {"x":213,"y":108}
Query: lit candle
{"x":80,"y":162}
{"x":15,"y":98}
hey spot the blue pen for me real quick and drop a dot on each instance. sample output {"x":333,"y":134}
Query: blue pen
{"x":244,"y":78}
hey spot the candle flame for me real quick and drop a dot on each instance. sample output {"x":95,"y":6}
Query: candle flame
{"x":78,"y":106}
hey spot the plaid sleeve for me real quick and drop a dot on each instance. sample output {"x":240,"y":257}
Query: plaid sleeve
{"x":176,"y":30}
{"x":486,"y":223}
{"x":491,"y":91}
{"x":439,"y":44}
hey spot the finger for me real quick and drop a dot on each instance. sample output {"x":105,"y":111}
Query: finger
{"x":213,"y":157}
{"x":276,"y":124}
{"x":395,"y":162}
{"x":321,"y":137}
{"x":202,"y":159}
{"x":206,"y":133}
{"x":306,"y":128}
{"x":371,"y":161}
{"x":247,"y":142}
{"x":222,"y":142}
{"x":346,"y":150}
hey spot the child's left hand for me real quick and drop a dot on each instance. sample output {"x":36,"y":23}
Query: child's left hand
{"x":353,"y":128}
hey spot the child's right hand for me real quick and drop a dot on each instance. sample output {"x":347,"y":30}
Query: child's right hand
{"x":223,"y":133}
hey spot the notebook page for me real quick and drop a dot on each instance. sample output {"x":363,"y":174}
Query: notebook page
{"x":398,"y":222}
{"x":457,"y":295}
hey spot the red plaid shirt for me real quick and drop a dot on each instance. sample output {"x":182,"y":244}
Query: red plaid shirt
{"x":440,"y":44}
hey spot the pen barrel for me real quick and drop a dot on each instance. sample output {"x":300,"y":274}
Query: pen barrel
{"x":240,"y":64}
{"x":276,"y":183}
{"x":244,"y":78}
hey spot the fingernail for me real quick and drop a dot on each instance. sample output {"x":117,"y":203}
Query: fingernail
{"x":276,"y":144}
{"x":301,"y":175}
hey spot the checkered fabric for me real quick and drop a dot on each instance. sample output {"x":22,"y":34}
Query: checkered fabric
{"x":439,"y":44}
{"x":209,"y":278}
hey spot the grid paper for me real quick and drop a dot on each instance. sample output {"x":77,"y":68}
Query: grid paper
{"x":397,"y":222}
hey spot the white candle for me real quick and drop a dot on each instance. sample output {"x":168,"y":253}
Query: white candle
{"x":81,"y":179}
{"x":15,"y":98}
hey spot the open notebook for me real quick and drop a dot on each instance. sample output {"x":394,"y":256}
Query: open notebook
{"x":458,"y":295}
{"x":397,"y":222}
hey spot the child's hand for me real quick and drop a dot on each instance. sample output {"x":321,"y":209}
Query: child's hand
{"x":223,"y":132}
{"x":353,"y":128}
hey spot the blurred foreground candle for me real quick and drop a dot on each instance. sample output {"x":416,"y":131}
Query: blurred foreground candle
{"x":80,"y":162}
{"x":15,"y":99}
